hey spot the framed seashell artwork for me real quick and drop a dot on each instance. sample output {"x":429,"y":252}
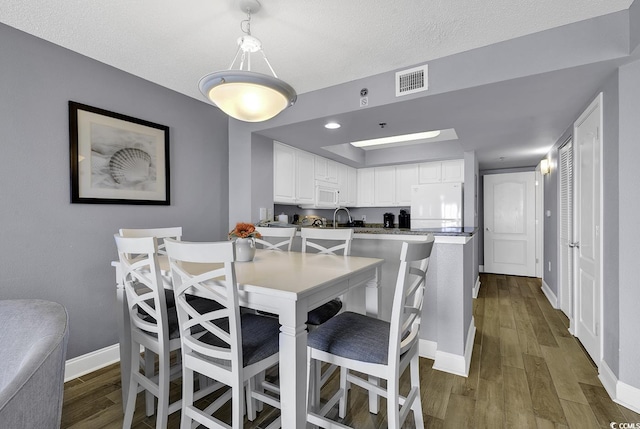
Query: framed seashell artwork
{"x":117,"y":159}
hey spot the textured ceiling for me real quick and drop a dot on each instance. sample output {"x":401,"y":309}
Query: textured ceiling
{"x":311,"y":44}
{"x":318,"y":44}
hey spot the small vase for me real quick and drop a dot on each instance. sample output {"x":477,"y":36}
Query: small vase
{"x":245,"y":249}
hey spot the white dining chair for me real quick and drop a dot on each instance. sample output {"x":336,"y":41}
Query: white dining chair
{"x":160,"y":234}
{"x":326,"y":242}
{"x":286,"y":234}
{"x":233,"y":347}
{"x":153,"y":326}
{"x":363,"y":345}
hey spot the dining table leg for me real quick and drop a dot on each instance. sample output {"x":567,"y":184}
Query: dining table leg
{"x":293,"y":365}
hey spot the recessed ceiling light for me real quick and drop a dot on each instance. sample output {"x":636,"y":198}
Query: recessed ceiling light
{"x":397,"y":139}
{"x":332,"y":125}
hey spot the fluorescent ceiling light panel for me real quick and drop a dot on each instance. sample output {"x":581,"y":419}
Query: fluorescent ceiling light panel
{"x":407,"y":139}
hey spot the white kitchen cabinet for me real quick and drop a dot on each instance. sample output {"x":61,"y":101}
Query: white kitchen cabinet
{"x":365,"y":197}
{"x":293,"y":175}
{"x":343,"y":185}
{"x":284,"y":174}
{"x":352,"y":187}
{"x":406,"y":177}
{"x":430,"y":172}
{"x":347,"y":182}
{"x":384,"y":186}
{"x":305,"y":178}
{"x":326,"y":170}
{"x":453,"y":171}
{"x":442,"y":171}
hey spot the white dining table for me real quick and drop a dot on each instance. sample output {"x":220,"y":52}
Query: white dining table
{"x":288,"y":284}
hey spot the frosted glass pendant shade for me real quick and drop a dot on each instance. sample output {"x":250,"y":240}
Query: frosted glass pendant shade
{"x":247,"y":96}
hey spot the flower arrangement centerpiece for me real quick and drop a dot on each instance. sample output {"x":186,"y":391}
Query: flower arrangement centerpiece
{"x":244,"y":230}
{"x":244,"y":234}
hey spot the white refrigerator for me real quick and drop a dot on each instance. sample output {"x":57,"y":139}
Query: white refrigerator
{"x":436,"y":205}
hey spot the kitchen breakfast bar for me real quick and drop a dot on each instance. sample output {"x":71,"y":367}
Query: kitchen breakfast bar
{"x":448,"y":329}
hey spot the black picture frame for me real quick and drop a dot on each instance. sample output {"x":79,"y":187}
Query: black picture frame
{"x":117,"y":159}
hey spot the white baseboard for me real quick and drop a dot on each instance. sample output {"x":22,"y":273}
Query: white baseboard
{"x":553,"y":300}
{"x":90,"y":362}
{"x":476,"y":288}
{"x":628,"y":396}
{"x":427,"y":349}
{"x":608,"y":379}
{"x":620,"y":392}
{"x":457,"y":364}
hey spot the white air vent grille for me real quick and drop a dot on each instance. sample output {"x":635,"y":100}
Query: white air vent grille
{"x":412,"y":80}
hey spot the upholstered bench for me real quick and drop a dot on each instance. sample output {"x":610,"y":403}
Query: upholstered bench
{"x":33,"y":347}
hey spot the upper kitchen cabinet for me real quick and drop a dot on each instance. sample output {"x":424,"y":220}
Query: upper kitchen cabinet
{"x":384,"y":186}
{"x":453,"y":171}
{"x":293,"y":175}
{"x":326,"y":169}
{"x":347,"y":180}
{"x":365,"y":194}
{"x":392,"y":185}
{"x":305,"y":179}
{"x":406,"y":177}
{"x":442,"y":171}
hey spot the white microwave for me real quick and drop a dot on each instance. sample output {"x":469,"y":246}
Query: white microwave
{"x":326,"y":195}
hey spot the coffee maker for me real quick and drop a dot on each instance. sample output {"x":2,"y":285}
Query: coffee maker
{"x":404,"y":220}
{"x":388,"y":219}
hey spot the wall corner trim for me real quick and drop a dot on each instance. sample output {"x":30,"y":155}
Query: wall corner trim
{"x":457,"y":364}
{"x":427,"y":349}
{"x":620,"y":392}
{"x":476,"y":288}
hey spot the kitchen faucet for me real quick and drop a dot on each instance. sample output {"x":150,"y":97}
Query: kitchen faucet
{"x":348,"y":215}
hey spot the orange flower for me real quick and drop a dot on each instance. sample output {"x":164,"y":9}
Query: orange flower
{"x":244,"y":230}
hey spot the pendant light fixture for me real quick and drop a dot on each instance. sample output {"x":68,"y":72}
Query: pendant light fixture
{"x":244,"y":94}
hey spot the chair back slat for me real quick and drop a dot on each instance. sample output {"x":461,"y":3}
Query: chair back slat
{"x":320,"y":239}
{"x":287,"y":233}
{"x":143,"y":285}
{"x":408,"y":300}
{"x":159,"y":233}
{"x":214,"y":334}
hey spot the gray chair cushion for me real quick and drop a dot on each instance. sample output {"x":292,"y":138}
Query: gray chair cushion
{"x":353,"y":336}
{"x":259,"y":337}
{"x":320,"y":315}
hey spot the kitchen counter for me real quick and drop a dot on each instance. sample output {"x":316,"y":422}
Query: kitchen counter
{"x":442,"y":235}
{"x":451,"y":231}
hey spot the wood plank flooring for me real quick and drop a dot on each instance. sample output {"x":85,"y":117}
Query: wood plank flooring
{"x":527,"y":371}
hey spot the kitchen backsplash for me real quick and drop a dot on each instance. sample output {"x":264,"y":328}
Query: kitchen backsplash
{"x":374,"y":215}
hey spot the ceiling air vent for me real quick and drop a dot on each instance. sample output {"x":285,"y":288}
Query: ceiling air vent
{"x":412,"y":80}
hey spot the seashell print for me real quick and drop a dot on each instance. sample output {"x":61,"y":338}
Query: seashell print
{"x":130,"y":165}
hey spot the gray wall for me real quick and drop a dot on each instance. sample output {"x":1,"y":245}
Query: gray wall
{"x":629,"y":179}
{"x":611,"y":246}
{"x":55,"y":250}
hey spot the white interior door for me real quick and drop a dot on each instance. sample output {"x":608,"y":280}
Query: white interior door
{"x":565,"y":275}
{"x":587,"y":250}
{"x":509,"y":221}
